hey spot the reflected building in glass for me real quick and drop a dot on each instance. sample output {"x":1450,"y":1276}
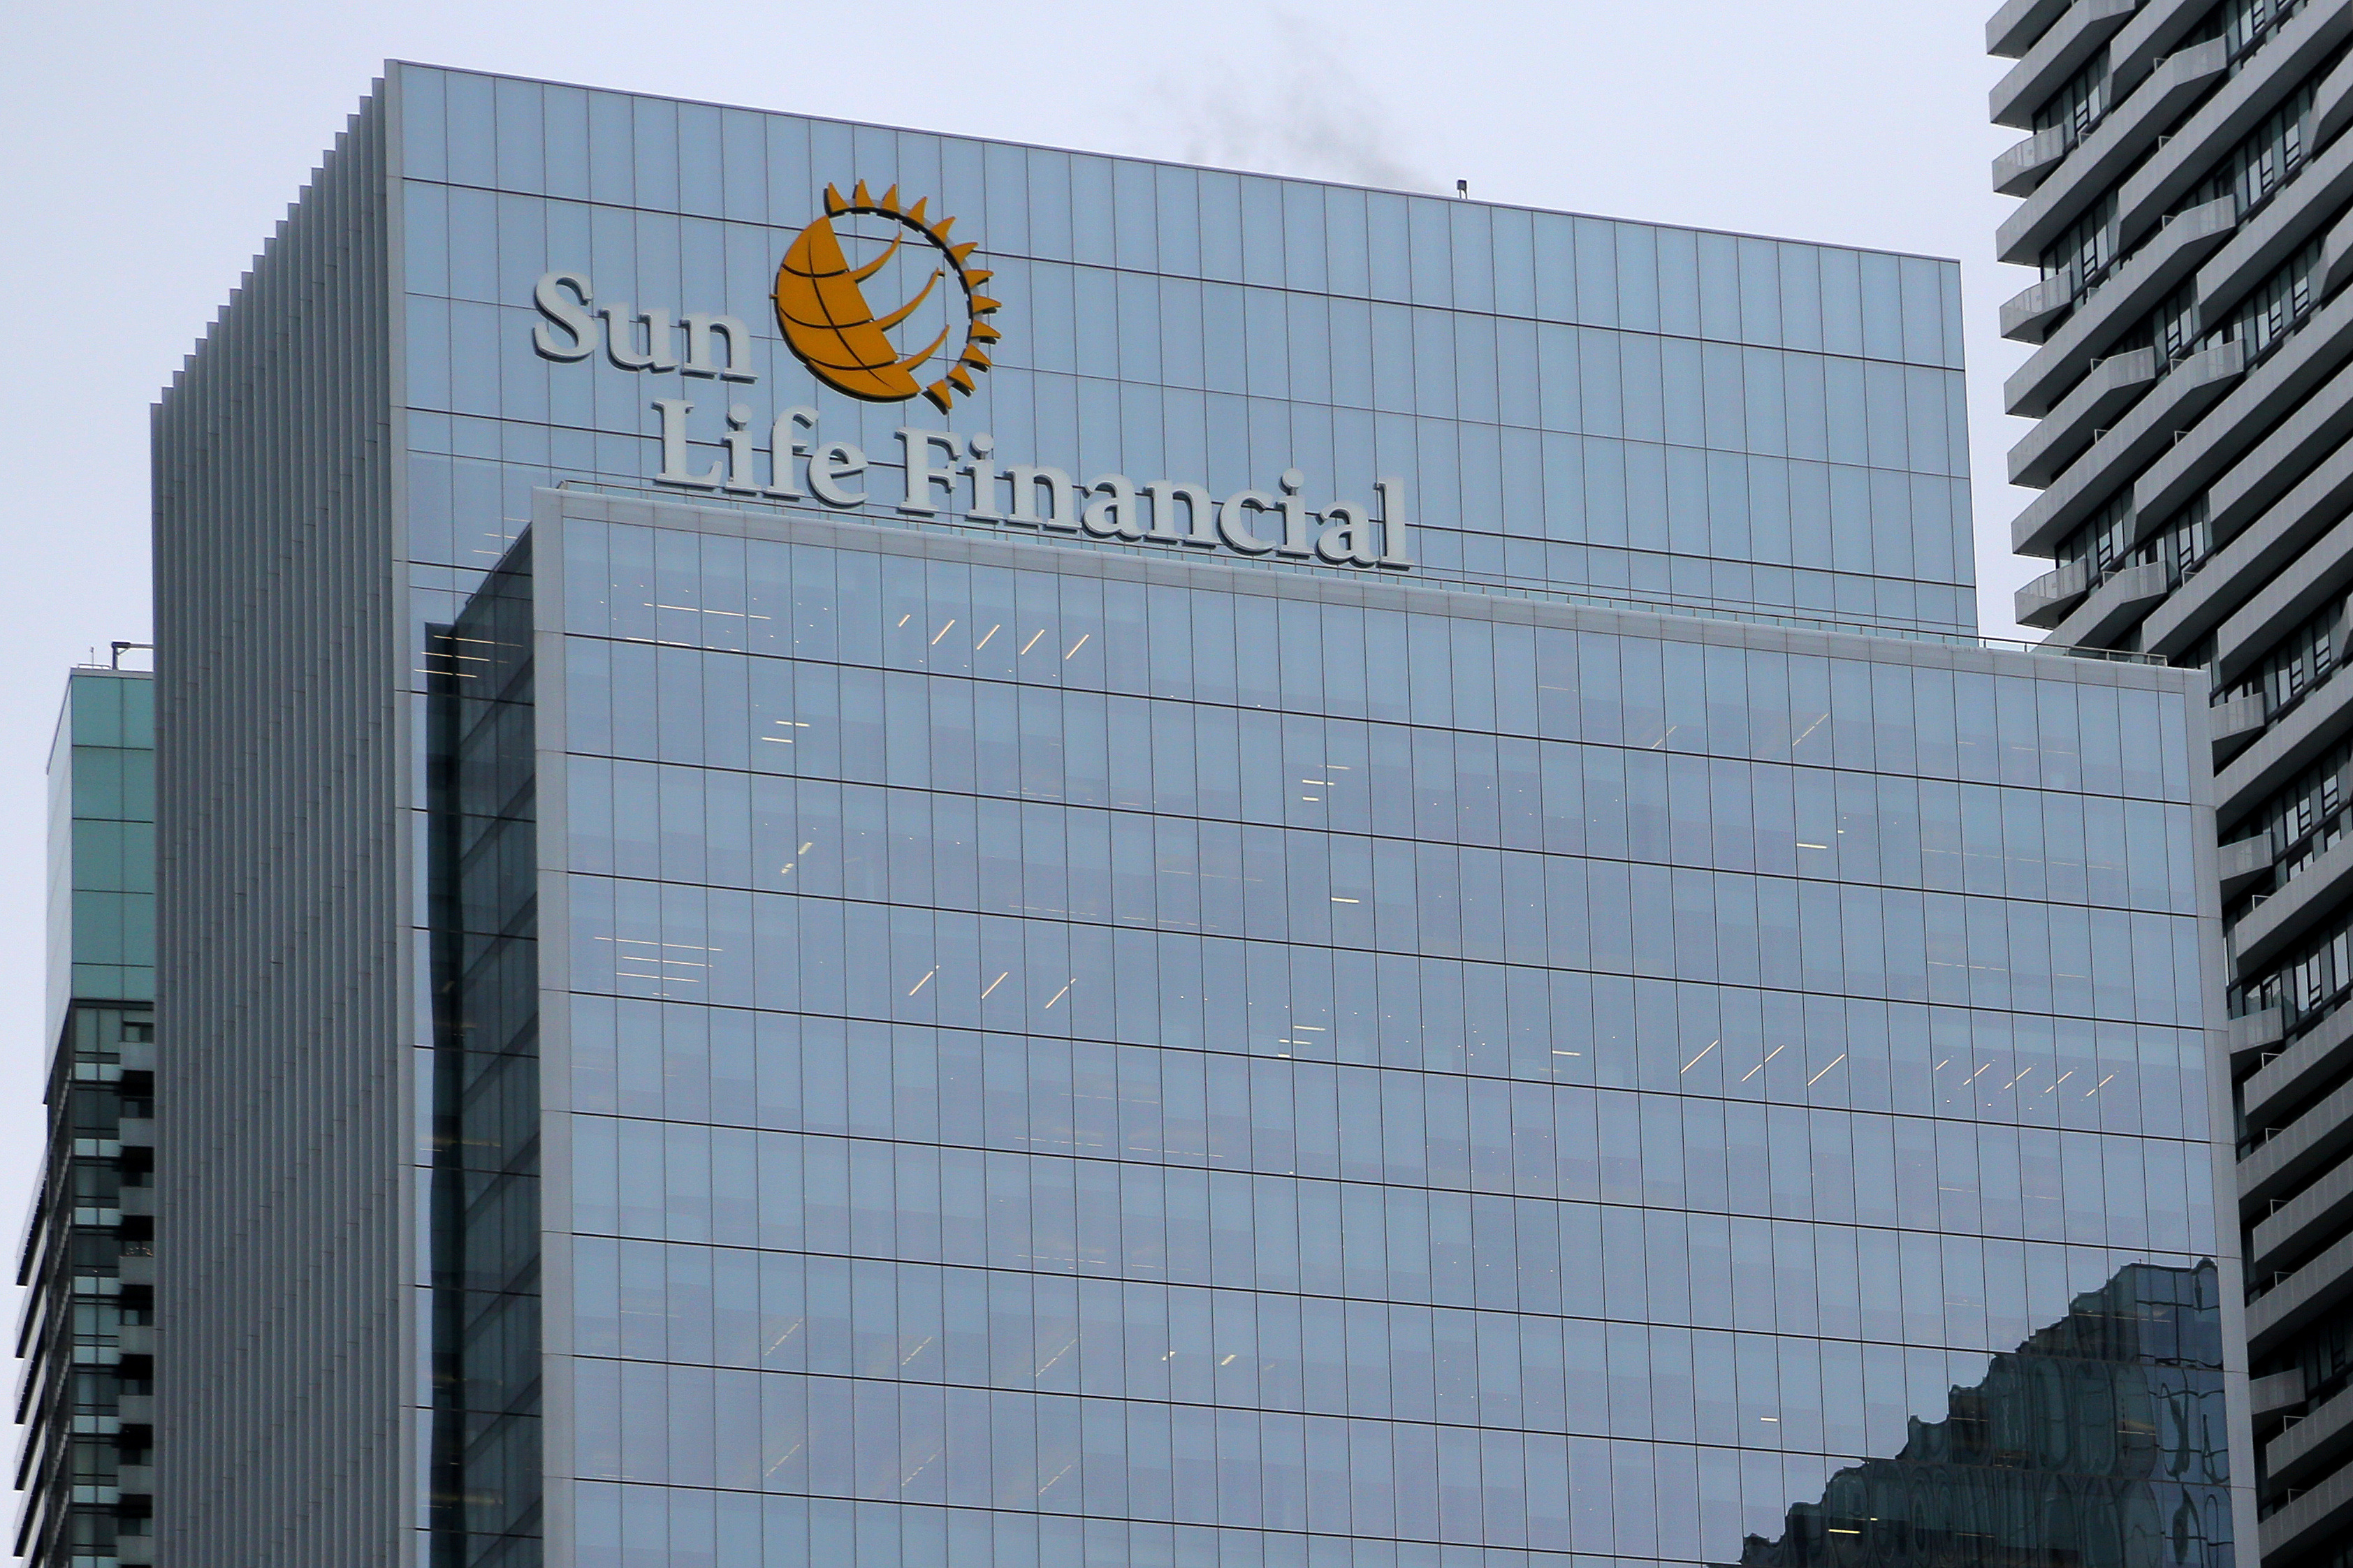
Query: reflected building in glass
{"x":1204,"y":870}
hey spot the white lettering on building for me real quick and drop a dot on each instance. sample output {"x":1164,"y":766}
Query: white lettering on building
{"x":967,"y":481}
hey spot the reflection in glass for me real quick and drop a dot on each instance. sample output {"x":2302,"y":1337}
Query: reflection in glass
{"x":2100,"y":1441}
{"x":484,"y":1503}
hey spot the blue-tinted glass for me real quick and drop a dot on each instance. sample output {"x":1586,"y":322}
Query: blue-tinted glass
{"x":1087,"y":1061}
{"x":1088,"y":1121}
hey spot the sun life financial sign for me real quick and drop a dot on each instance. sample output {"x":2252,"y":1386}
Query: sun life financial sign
{"x":822,"y":312}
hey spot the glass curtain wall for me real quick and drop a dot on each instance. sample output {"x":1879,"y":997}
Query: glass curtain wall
{"x":1623,"y":410}
{"x":1071,"y":1070}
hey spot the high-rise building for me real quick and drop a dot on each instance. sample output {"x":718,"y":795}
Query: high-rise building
{"x":2185,"y":186}
{"x":86,"y":1397}
{"x":886,"y":849}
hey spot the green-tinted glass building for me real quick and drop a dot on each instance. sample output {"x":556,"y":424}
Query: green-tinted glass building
{"x":88,"y":1338}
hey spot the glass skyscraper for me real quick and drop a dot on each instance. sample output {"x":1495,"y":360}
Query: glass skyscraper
{"x":1203,"y":870}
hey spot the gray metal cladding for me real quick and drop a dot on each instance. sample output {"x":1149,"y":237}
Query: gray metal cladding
{"x":281,"y":920}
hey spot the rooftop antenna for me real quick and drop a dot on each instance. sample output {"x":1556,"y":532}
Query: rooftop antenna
{"x":1463,"y":188}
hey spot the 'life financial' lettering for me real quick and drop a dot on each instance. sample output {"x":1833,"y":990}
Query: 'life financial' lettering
{"x":944,"y":472}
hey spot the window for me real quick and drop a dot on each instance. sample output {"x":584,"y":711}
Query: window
{"x":2304,"y":658}
{"x":2269,"y":313}
{"x":2084,"y":253}
{"x":2080,"y":104}
{"x":2245,"y":23}
{"x":2185,"y":542}
{"x":2104,"y":540}
{"x":2261,"y":162}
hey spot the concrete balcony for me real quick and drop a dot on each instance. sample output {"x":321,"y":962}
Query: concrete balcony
{"x":2283,"y":546}
{"x":2103,"y":157}
{"x":2111,"y":608}
{"x":2300,"y":1299}
{"x":2231,"y":727}
{"x":2286,"y":602}
{"x":2073,"y":38}
{"x":2026,"y":315}
{"x":2320,"y":1441}
{"x":2281,"y":1084}
{"x":2243,"y":860}
{"x":2271,"y":927}
{"x":2276,"y":1395}
{"x":2321,"y":1517}
{"x":2295,"y":738}
{"x":2337,"y":258}
{"x":2301,"y":446}
{"x":2175,"y":168}
{"x":2271,"y":392}
{"x":2140,"y":435}
{"x":2017,"y":172}
{"x":2253,"y":1032}
{"x":2242,"y":568}
{"x":2132,"y":289}
{"x":2145,"y":42}
{"x":136,"y":1480}
{"x":2332,"y":104}
{"x":2296,"y":1229}
{"x":2045,"y":600}
{"x":2082,"y":417}
{"x":2296,"y":210}
{"x":135,"y":1550}
{"x":2016,"y":27}
{"x":2299,"y":1150}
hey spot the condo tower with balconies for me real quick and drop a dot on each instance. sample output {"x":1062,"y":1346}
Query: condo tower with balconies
{"x":2185,"y":181}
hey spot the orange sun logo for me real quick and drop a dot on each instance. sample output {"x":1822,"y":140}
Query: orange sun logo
{"x":832,"y":330}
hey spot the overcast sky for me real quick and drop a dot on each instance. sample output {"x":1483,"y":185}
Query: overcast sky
{"x":147,"y":149}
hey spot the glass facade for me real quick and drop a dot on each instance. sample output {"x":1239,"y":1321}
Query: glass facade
{"x":1623,"y":410}
{"x":88,"y":1338}
{"x":936,"y":1038}
{"x":1068,"y":1065}
{"x":102,"y":842}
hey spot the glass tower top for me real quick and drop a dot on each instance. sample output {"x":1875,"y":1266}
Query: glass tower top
{"x":102,"y":842}
{"x":1615,"y":409}
{"x":86,"y":1474}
